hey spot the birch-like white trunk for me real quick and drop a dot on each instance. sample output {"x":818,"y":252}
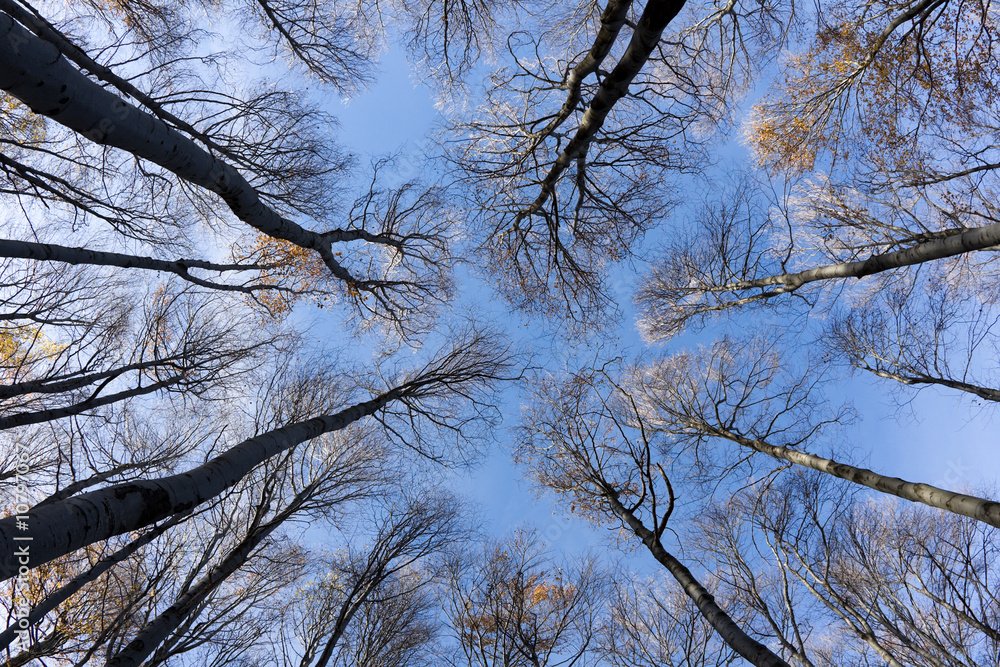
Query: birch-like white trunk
{"x":60,"y":528}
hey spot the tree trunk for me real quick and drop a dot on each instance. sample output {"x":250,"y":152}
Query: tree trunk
{"x":980,"y":509}
{"x":63,"y":527}
{"x":36,"y":73}
{"x":156,"y":631}
{"x":734,"y":636}
{"x":40,"y":416}
{"x":979,"y":238}
{"x":49,"y":252}
{"x":63,"y":593}
{"x":655,"y":18}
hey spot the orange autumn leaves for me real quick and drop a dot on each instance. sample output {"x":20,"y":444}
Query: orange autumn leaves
{"x":868,"y":91}
{"x":300,"y":272}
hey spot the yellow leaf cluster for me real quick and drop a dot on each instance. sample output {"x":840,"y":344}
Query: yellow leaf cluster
{"x":290,"y":266}
{"x":856,"y":91}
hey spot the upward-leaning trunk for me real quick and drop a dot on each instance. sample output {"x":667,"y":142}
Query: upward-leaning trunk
{"x":731,"y":633}
{"x":33,"y":71}
{"x":63,"y":593}
{"x":50,"y":252}
{"x":41,"y":416}
{"x":653,"y":21}
{"x":156,"y":631}
{"x":981,"y":509}
{"x":47,"y":532}
{"x":978,"y":238}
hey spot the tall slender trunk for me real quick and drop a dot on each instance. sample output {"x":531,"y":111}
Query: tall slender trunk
{"x":156,"y":631}
{"x":654,"y":19}
{"x":985,"y":393}
{"x":64,"y":592}
{"x":34,"y":71}
{"x":981,"y":509}
{"x":39,"y":416}
{"x":77,"y":379}
{"x":60,"y":528}
{"x":56,"y":253}
{"x":347,"y":611}
{"x":979,"y":238}
{"x":731,"y":633}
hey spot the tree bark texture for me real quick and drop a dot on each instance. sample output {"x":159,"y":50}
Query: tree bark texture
{"x":731,"y":633}
{"x":980,"y":509}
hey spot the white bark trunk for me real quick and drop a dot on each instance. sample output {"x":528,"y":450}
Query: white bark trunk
{"x":981,"y":509}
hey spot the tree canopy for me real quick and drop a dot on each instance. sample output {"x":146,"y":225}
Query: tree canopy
{"x":647,"y":254}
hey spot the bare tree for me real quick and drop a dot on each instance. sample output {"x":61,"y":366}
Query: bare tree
{"x":511,"y":604}
{"x":339,"y":473}
{"x":743,"y":393}
{"x":394,"y":627}
{"x":578,"y":445}
{"x":459,"y":373}
{"x":934,"y":337}
{"x":653,"y":623}
{"x":390,"y":296}
{"x":406,"y":533}
{"x":894,"y":583}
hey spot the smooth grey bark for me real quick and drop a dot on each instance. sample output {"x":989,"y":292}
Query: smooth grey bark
{"x":654,"y":19}
{"x":39,"y":416}
{"x":76,"y":380}
{"x":35,"y":72}
{"x":985,"y":393}
{"x":731,"y":633}
{"x":49,"y":33}
{"x":359,"y":594}
{"x":979,"y":238}
{"x":156,"y":631}
{"x":49,"y":252}
{"x":980,"y":509}
{"x":612,"y":20}
{"x":63,"y":527}
{"x":64,"y":592}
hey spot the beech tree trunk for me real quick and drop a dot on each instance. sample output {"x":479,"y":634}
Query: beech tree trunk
{"x":979,"y":238}
{"x":40,"y":416}
{"x":50,"y":252}
{"x":655,"y":17}
{"x":34,"y":71}
{"x":980,"y":509}
{"x":63,"y":527}
{"x":731,"y":633}
{"x":156,"y":631}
